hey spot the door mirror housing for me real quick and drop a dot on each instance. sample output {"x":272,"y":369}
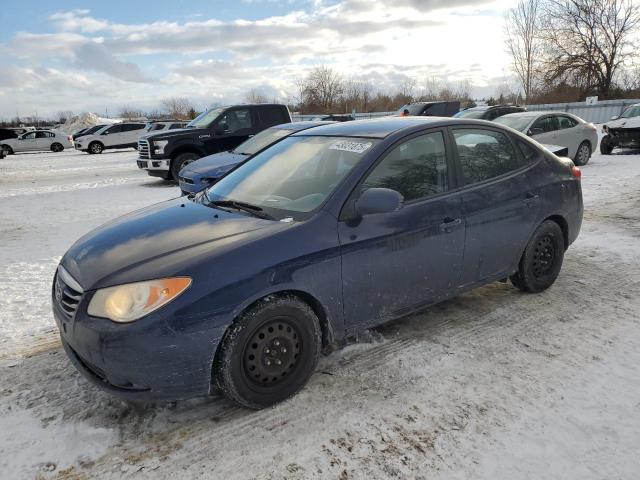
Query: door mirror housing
{"x":615,"y":117}
{"x":379,"y":200}
{"x":535,"y":131}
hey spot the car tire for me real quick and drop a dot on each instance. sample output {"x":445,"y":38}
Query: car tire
{"x":95,"y":148}
{"x":180,"y":161}
{"x":7,"y":149}
{"x":542,"y":259}
{"x":583,"y":154}
{"x":269,"y":353}
{"x":606,"y":146}
{"x":57,"y":147}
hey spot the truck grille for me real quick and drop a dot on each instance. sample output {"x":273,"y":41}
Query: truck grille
{"x":67,"y":293}
{"x":143,"y":148}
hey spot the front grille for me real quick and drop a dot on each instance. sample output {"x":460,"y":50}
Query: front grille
{"x":143,"y":148}
{"x":67,"y":293}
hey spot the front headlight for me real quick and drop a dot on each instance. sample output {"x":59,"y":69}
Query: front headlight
{"x":126,"y":303}
{"x":158,"y":145}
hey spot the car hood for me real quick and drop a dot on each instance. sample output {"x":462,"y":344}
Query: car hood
{"x":633,"y":122}
{"x":177,"y":133}
{"x":158,"y":241}
{"x":216,"y":164}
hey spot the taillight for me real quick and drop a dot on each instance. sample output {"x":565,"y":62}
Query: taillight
{"x":576,"y":172}
{"x":69,"y":138}
{"x":592,"y":127}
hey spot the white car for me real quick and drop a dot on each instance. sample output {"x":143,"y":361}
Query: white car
{"x":37,"y":140}
{"x":118,"y":135}
{"x":556,"y":128}
{"x":157,"y":126}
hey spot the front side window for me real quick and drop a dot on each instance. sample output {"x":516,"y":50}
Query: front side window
{"x":633,"y":111}
{"x":484,"y":154}
{"x":235,"y":120}
{"x":294,"y":176}
{"x":29,"y":136}
{"x":545,"y":125}
{"x":205,"y":118}
{"x":176,"y":125}
{"x":417,"y":168}
{"x":114,"y":129}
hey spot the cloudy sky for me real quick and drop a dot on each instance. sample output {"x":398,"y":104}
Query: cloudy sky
{"x":99,"y":56}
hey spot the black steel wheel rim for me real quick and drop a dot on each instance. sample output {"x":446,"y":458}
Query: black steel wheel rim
{"x":544,"y":256}
{"x":272,"y":353}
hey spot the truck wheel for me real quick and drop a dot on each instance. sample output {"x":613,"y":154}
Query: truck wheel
{"x":583,"y":154}
{"x":180,"y":161}
{"x":542,"y":259}
{"x":269,"y":353}
{"x":56,"y":147}
{"x":605,"y":145}
{"x":96,"y":147}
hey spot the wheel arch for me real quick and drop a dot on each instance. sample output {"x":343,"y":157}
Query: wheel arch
{"x":564,"y":226}
{"x":186,"y":149}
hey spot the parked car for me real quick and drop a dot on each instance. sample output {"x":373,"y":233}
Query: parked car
{"x":489,"y":112}
{"x":622,"y":131}
{"x":217,"y":130}
{"x":330,"y":231}
{"x":87,"y":131}
{"x":6,"y":133}
{"x":37,"y":140}
{"x":429,"y":109}
{"x":580,"y":137}
{"x":118,"y":135}
{"x":159,"y":125}
{"x":203,"y":173}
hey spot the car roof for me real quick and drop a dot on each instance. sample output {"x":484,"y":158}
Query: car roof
{"x":298,"y":126}
{"x":536,"y":113}
{"x":385,"y":126}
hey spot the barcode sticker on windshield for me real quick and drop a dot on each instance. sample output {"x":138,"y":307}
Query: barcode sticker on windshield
{"x":350,"y":146}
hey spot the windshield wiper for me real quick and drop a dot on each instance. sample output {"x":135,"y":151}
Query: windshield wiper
{"x":254,"y":210}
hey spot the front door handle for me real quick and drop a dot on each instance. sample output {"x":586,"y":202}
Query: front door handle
{"x":449,"y":224}
{"x":531,"y":199}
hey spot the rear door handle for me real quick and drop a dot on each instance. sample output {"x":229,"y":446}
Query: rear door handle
{"x":449,"y":224}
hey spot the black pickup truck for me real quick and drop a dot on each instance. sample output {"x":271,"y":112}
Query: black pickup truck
{"x":164,"y":154}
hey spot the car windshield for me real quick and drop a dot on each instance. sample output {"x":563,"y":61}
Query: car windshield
{"x":261,"y":140}
{"x":633,"y":111}
{"x":205,"y":118}
{"x":294,"y":176}
{"x":518,"y":122}
{"x":414,"y":109}
{"x":470,"y":113}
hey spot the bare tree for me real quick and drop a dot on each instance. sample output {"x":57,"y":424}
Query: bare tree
{"x":322,"y":88}
{"x":129,"y":113}
{"x":254,"y":96}
{"x":589,"y":41}
{"x":524,"y":41}
{"x":178,"y":108}
{"x":63,"y":116}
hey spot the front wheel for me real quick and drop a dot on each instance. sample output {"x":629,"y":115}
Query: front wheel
{"x":606,"y":147}
{"x":57,"y":147}
{"x":269,"y":353}
{"x":96,"y":147}
{"x":542,"y":259}
{"x":181,"y":161}
{"x":7,"y":149}
{"x":583,"y":154}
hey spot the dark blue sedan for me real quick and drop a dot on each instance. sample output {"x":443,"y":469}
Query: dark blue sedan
{"x":330,"y":231}
{"x":203,"y":173}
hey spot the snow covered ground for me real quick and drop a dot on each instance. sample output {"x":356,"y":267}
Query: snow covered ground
{"x":493,"y":384}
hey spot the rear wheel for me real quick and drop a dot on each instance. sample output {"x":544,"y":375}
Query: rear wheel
{"x":583,"y":154}
{"x":56,"y":147}
{"x":269,"y":353}
{"x":542,"y":259}
{"x":606,"y":147}
{"x":181,"y":161}
{"x":96,"y":147}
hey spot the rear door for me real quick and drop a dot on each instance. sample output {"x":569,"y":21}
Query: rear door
{"x":271,"y":115}
{"x":44,"y":140}
{"x":500,"y":201}
{"x":395,"y":262}
{"x":568,"y":134}
{"x":130,"y":133}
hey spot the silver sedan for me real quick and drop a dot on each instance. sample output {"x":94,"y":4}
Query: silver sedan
{"x":556,"y":128}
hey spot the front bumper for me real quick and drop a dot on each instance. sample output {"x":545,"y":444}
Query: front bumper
{"x":151,"y":359}
{"x":152,"y":164}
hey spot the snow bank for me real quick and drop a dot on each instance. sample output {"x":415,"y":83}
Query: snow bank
{"x":85,"y":120}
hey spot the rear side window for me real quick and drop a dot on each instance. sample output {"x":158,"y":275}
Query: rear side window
{"x":45,"y":135}
{"x":529,"y":154}
{"x":566,"y":122}
{"x":272,"y":116}
{"x":176,"y":125}
{"x":416,"y":168}
{"x":435,"y":110}
{"x":484,"y":154}
{"x":128,"y":127}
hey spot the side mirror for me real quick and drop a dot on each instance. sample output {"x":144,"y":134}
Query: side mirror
{"x":615,"y":117}
{"x":534,"y":131}
{"x":379,"y":200}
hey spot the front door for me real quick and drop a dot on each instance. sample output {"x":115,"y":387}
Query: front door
{"x":500,"y":202}
{"x":28,"y":142}
{"x":395,"y":262}
{"x":233,"y":128}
